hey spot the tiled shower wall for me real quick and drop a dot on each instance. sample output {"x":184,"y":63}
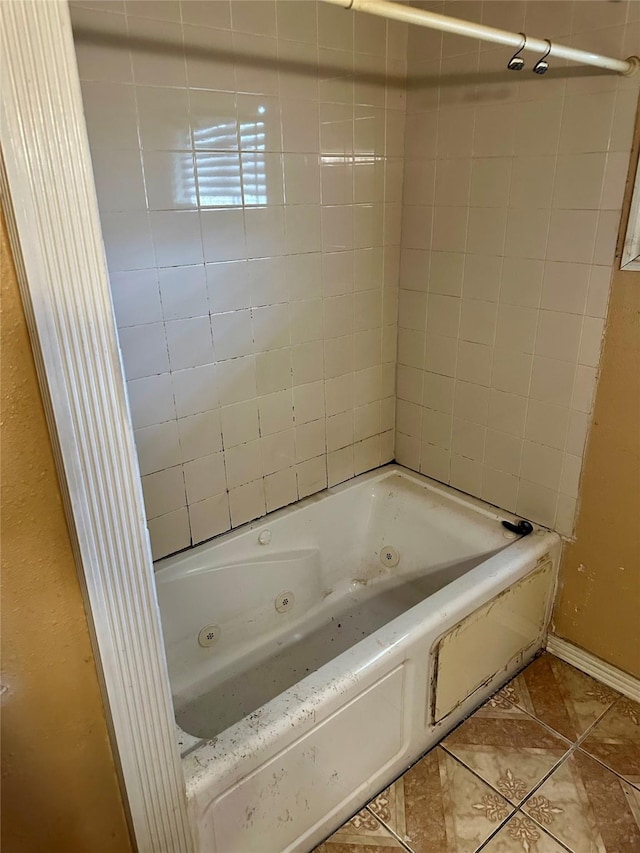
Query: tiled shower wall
{"x":513,"y":189}
{"x":248,"y":160}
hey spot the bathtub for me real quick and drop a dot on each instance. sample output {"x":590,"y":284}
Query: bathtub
{"x":316,"y":653}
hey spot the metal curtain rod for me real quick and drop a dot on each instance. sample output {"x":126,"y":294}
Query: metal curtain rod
{"x":409,"y":15}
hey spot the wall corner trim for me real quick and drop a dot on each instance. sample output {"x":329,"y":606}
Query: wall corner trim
{"x":595,"y":667}
{"x":49,"y":197}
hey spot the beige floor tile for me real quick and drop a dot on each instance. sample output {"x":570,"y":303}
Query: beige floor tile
{"x":520,"y":834}
{"x":560,"y":696}
{"x":439,"y":806}
{"x":588,"y":808}
{"x":362,"y":834}
{"x":615,"y":740}
{"x":507,"y":748}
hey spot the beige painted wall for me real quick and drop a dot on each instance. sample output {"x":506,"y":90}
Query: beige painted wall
{"x":59,"y":785}
{"x":598,"y":607}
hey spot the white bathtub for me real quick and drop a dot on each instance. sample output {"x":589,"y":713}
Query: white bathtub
{"x":293,"y":718}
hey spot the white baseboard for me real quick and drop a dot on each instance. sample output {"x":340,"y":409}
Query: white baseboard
{"x":595,"y":667}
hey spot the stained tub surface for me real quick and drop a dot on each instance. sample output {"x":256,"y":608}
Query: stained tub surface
{"x":306,"y":649}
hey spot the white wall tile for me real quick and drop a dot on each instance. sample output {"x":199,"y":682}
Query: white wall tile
{"x":558,"y":335}
{"x":136,"y":297}
{"x":521,"y":282}
{"x":273,"y":371}
{"x":310,"y":440}
{"x":466,"y":474}
{"x":144,"y":350}
{"x":243,"y":464}
{"x":158,"y":447}
{"x":307,"y":362}
{"x":154,"y":67}
{"x":565,"y":287}
{"x":247,"y":502}
{"x":163,"y":118}
{"x":499,"y":488}
{"x":526,"y":194}
{"x":546,"y":163}
{"x":170,"y":180}
{"x":220,"y":286}
{"x":308,"y":402}
{"x":236,"y":380}
{"x":127,"y":239}
{"x":541,"y":464}
{"x":537,"y":503}
{"x":434,"y":462}
{"x":268,"y":281}
{"x":184,"y":292}
{"x":280,"y":489}
{"x":205,"y":477}
{"x":151,"y":400}
{"x":275,"y":412}
{"x":119,"y":182}
{"x":239,"y":423}
{"x":223,"y":235}
{"x":584,"y":388}
{"x":507,"y":412}
{"x":110,"y":111}
{"x":474,"y":362}
{"x":271,"y":327}
{"x":169,"y":533}
{"x":195,"y":390}
{"x":176,"y":237}
{"x":190,"y":343}
{"x":232,"y":334}
{"x":547,"y":424}
{"x":200,"y":435}
{"x":503,"y":452}
{"x":311,"y":476}
{"x":340,"y":465}
{"x":164,"y":491}
{"x":367,"y":454}
{"x":278,"y":451}
{"x":209,"y":517}
{"x":516,"y":328}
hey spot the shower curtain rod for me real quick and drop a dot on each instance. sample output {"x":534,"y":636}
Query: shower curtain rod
{"x":409,"y":15}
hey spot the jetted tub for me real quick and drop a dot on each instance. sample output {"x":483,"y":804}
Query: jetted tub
{"x":316,"y":653}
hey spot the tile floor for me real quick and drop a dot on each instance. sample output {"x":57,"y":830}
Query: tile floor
{"x":550,"y":764}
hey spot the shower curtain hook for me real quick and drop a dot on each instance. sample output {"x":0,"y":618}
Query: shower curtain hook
{"x":516,"y":63}
{"x":542,"y":66}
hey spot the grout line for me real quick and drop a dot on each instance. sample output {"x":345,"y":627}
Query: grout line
{"x":548,"y":832}
{"x":387,"y":827}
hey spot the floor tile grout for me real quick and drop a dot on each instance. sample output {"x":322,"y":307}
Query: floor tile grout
{"x":496,"y":831}
{"x":518,"y":811}
{"x":550,"y":727}
{"x":388,"y":828}
{"x":599,"y":761}
{"x":475,"y":773}
{"x":548,"y":831}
